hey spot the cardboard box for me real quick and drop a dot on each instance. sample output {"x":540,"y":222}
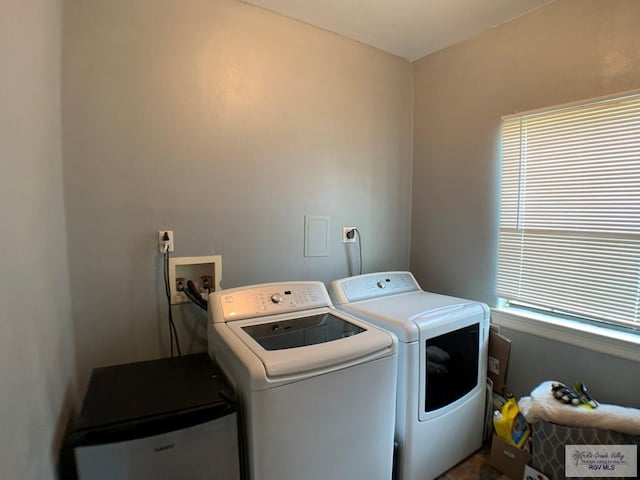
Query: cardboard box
{"x":508,"y":458}
{"x":499,"y":352}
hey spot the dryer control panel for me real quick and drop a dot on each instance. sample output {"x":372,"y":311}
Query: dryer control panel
{"x":267,"y":299}
{"x":372,"y":285}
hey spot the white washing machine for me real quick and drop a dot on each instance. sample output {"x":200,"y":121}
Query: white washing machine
{"x":316,"y":387}
{"x":441,"y":367}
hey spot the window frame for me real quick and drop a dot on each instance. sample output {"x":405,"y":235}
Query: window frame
{"x":523,"y":317}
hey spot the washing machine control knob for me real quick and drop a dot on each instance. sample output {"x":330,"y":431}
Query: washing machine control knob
{"x":276,"y":298}
{"x":381,"y":284}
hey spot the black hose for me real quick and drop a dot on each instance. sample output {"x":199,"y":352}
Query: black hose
{"x":194,"y":295}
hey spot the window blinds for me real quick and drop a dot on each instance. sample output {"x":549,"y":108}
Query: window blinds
{"x":570,"y":211}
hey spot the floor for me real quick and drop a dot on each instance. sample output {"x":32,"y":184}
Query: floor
{"x":476,"y":467}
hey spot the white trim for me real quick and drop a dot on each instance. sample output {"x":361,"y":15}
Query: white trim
{"x":577,"y":103}
{"x":617,"y":343}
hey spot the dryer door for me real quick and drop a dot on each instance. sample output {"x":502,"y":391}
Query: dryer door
{"x":451,"y":359}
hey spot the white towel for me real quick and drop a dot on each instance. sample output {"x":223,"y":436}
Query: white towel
{"x":542,"y":405}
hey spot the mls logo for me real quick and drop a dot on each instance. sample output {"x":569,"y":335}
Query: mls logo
{"x":601,"y":461}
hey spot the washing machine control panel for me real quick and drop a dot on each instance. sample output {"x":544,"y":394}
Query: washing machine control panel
{"x":271,"y":299}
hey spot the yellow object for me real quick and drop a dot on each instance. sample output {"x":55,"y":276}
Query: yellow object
{"x":510,"y":424}
{"x":587,"y":402}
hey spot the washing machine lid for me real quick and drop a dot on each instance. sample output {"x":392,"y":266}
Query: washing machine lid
{"x":301,"y":331}
{"x":322,"y":339}
{"x":406,"y":313}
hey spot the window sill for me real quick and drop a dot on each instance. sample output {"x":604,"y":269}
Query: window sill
{"x":592,"y":337}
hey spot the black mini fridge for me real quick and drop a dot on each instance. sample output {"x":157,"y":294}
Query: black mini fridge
{"x":166,"y":419}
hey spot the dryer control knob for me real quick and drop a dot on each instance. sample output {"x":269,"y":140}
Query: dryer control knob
{"x":276,"y":298}
{"x":381,"y":284}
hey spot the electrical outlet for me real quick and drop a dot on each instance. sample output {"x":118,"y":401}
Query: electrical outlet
{"x":204,"y":272}
{"x":161,"y":240}
{"x":345,"y":234}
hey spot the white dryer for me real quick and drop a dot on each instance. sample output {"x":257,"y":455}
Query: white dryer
{"x":441,"y":367}
{"x":316,"y":387}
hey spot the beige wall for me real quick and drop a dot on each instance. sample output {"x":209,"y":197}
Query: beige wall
{"x":566,"y":51}
{"x":36,"y":337}
{"x":227,"y":124}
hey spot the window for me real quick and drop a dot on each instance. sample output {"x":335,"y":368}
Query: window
{"x":570,"y":212}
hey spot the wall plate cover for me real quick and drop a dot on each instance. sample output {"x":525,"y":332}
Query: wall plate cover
{"x":161,"y":240}
{"x":194,"y":269}
{"x":316,"y":236}
{"x":346,"y":239}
